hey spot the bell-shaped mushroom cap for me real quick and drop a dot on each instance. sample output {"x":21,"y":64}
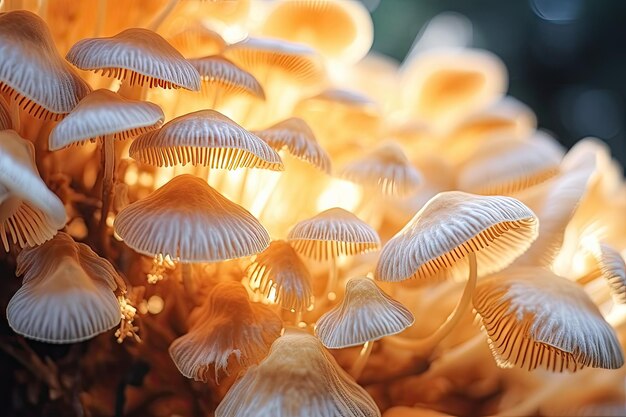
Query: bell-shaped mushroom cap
{"x":298,"y":378}
{"x":332,"y":233}
{"x":196,"y":40}
{"x":32,"y":71}
{"x":207,"y":138}
{"x":218,"y":73}
{"x":611,"y":266}
{"x":295,"y":135}
{"x":386,"y":169}
{"x":502,"y":166}
{"x":67,"y":294}
{"x":139,"y":56}
{"x":441,"y":86}
{"x":5,"y":115}
{"x":190,"y":221}
{"x":291,"y":62}
{"x":365,"y":314}
{"x":339,"y":29}
{"x":226,"y":324}
{"x":29,"y":212}
{"x":103,"y":113}
{"x":280,"y":275}
{"x":535,"y":319}
{"x":452,"y":224}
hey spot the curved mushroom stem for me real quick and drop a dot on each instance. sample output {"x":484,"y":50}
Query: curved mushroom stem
{"x":108,"y":161}
{"x":188,"y":284}
{"x":589,"y":277}
{"x":333,"y":274}
{"x":428,"y":344}
{"x":154,"y":25}
{"x":357,"y":368}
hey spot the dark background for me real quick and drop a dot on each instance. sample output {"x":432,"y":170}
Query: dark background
{"x":566,"y":58}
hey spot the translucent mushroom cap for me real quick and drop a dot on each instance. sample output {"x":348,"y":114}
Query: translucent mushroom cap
{"x":30,"y":213}
{"x":139,"y":56}
{"x":610,"y":264}
{"x":219,"y":73}
{"x":295,"y":135}
{"x":31,"y":70}
{"x":452,"y":224}
{"x":280,"y":275}
{"x":103,"y":113}
{"x":338,"y":29}
{"x":535,"y":319}
{"x":189,"y":220}
{"x":332,"y":233}
{"x":196,"y":40}
{"x":386,"y":169}
{"x":365,"y":314}
{"x":207,"y":138}
{"x":226,"y":325}
{"x":298,"y":378}
{"x":67,"y":293}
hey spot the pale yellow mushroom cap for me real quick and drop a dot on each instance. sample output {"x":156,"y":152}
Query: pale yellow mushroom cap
{"x":535,"y":319}
{"x":103,"y":113}
{"x":365,"y":314}
{"x":452,"y":224}
{"x":196,"y":40}
{"x":190,"y":221}
{"x":67,"y":293}
{"x":220,"y":74}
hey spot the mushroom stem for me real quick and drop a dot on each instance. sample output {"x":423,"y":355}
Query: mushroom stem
{"x":428,"y":343}
{"x":14,"y":108}
{"x":357,"y":368}
{"x":165,"y":12}
{"x":333,"y":274}
{"x":188,"y":284}
{"x":589,"y":277}
{"x":108,"y":161}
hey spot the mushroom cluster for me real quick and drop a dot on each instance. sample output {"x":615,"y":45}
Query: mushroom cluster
{"x":271,"y":221}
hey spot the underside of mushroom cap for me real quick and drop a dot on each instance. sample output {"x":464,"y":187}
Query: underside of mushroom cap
{"x":452,"y":224}
{"x":67,"y":293}
{"x":332,"y":233}
{"x":190,"y":221}
{"x":206,"y":138}
{"x":138,"y":56}
{"x":32,"y":72}
{"x":103,"y":113}
{"x":535,"y":319}
{"x":365,"y":314}
{"x":298,"y":378}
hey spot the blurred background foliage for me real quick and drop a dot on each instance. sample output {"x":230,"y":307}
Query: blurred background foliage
{"x":566,"y":58}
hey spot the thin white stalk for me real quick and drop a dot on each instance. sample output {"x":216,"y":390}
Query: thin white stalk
{"x":357,"y":368}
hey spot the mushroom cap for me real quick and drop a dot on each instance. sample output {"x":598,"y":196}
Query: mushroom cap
{"x":195,"y":40}
{"x":613,"y":268}
{"x":103,"y":113}
{"x":452,"y":224}
{"x":29,"y":212}
{"x":291,"y":62}
{"x":298,"y":378}
{"x":365,"y":314}
{"x":280,"y":275}
{"x":386,"y":169}
{"x":5,"y":116}
{"x":535,"y":319}
{"x":226,"y":325}
{"x":32,"y":71}
{"x":331,"y":233}
{"x":338,"y":29}
{"x":189,"y":220}
{"x":67,"y":294}
{"x":295,"y":135}
{"x":219,"y":73}
{"x":140,"y":55}
{"x":207,"y":138}
{"x":502,"y":166}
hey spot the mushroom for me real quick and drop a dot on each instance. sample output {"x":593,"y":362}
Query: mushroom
{"x":609,"y":265}
{"x":5,"y":115}
{"x":226,"y":325}
{"x":30,"y":213}
{"x":535,"y":319}
{"x":330,"y":234}
{"x":196,"y":40}
{"x":365,"y":315}
{"x":451,"y":230}
{"x":32,"y":73}
{"x":67,"y":293}
{"x":298,"y":378}
{"x":339,"y":29}
{"x":191,"y":222}
{"x":281,"y":277}
{"x":105,"y":116}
